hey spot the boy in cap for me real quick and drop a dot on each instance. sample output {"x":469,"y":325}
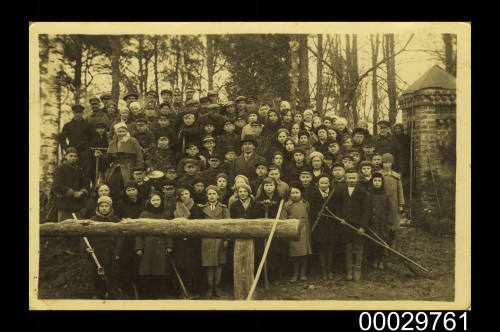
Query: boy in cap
{"x":144,"y":135}
{"x":248,"y":129}
{"x":298,"y":164}
{"x":328,"y":160}
{"x":346,"y":142}
{"x":368,"y":149}
{"x":358,"y":137}
{"x":305,"y":178}
{"x":78,"y":134}
{"x":394,"y":189}
{"x":261,"y":172}
{"x":229,"y":136}
{"x":166,"y":96}
{"x":365,"y":175}
{"x":144,"y":187}
{"x":213,"y":96}
{"x":348,"y":162}
{"x":239,"y":123}
{"x":334,"y":149}
{"x":188,"y":131}
{"x":187,"y":168}
{"x":198,"y":184}
{"x":208,"y":147}
{"x":251,"y":104}
{"x":160,"y":156}
{"x":171,"y":173}
{"x":338,"y":174}
{"x":163,"y":128}
{"x":214,"y":167}
{"x":130,"y":98}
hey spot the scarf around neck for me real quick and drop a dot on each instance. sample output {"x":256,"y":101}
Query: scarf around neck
{"x":182,"y":210}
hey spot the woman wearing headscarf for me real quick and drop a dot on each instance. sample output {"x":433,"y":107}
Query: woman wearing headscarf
{"x":125,"y":153}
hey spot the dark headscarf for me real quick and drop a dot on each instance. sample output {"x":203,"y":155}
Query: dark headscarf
{"x":377,"y":191}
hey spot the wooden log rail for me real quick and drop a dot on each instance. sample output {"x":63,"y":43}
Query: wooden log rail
{"x":179,"y":227}
{"x":244,"y":231}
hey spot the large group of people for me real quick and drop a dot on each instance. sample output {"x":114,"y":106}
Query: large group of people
{"x":202,"y":159}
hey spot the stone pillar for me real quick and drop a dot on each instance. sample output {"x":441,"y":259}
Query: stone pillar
{"x":433,"y":112}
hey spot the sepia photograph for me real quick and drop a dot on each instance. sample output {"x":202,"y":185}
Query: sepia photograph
{"x":256,"y":165}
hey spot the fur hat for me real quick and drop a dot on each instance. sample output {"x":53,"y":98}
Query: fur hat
{"x":387,"y":158}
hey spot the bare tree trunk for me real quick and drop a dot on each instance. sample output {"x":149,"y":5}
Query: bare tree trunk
{"x":304,"y":98}
{"x":354,"y":79}
{"x":51,"y":114}
{"x":115,"y":67}
{"x":450,"y":57}
{"x":210,"y":61}
{"x":139,"y":58}
{"x":391,"y":77}
{"x":294,"y":71}
{"x":78,"y":69}
{"x":319,"y":76}
{"x":157,"y":85}
{"x":375,"y":46}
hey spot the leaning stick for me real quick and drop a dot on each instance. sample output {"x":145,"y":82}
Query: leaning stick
{"x":315,"y":224}
{"x":266,"y":250}
{"x":333,"y":216}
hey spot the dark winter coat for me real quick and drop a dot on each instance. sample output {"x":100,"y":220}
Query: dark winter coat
{"x":160,"y":159}
{"x":105,"y":248}
{"x":244,"y":167}
{"x":355,"y":209}
{"x":187,"y":253}
{"x":327,"y":230}
{"x":67,"y":180}
{"x":390,"y":144}
{"x":78,"y":132}
{"x":382,"y":215}
{"x":154,"y":258}
{"x":99,"y":142}
{"x":146,"y":139}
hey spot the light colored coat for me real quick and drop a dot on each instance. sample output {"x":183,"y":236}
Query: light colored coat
{"x":394,"y":190}
{"x":298,"y":210}
{"x":212,"y":249}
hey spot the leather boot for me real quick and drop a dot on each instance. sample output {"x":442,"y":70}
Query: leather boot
{"x":357,"y":273}
{"x":348,"y":261}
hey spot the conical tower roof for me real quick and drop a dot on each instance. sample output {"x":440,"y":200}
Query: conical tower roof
{"x":435,"y":77}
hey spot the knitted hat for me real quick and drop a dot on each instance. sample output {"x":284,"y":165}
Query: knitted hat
{"x":387,"y":158}
{"x":222,"y":175}
{"x":104,"y":199}
{"x":338,"y":164}
{"x":311,"y":112}
{"x":283,"y":130}
{"x":316,"y":154}
{"x":377,"y":175}
{"x":299,"y":150}
{"x":321,"y":127}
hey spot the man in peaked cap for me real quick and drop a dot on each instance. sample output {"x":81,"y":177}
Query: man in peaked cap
{"x":97,"y":115}
{"x":130,"y":98}
{"x":213,"y":95}
{"x":105,"y":99}
{"x":251,"y":103}
{"x":241,"y":106}
{"x":358,"y":137}
{"x":386,"y":143}
{"x":166,"y":96}
{"x":177,"y":98}
{"x":244,"y":164}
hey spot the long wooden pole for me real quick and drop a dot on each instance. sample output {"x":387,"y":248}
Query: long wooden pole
{"x":179,"y":227}
{"x":315,"y":224}
{"x":333,"y":216}
{"x":266,"y":250}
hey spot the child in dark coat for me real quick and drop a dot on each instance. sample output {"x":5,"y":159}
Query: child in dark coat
{"x":352,"y":204}
{"x":153,"y":251}
{"x":382,"y":217}
{"x":105,"y":248}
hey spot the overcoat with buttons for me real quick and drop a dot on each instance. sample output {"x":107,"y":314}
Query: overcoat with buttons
{"x":213,"y":252}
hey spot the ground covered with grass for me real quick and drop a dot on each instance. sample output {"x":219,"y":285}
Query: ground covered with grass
{"x":61,"y":275}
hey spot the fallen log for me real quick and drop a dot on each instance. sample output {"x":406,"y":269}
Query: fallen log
{"x":179,"y":227}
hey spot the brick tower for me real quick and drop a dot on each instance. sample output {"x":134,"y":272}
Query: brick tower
{"x":429,"y":116}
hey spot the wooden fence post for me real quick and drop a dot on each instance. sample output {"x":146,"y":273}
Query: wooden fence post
{"x":243,"y":267}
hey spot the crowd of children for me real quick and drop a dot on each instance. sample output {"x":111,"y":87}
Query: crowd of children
{"x":205,"y":160}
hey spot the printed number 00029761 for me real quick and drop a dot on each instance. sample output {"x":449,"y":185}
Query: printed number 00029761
{"x":410,"y":322}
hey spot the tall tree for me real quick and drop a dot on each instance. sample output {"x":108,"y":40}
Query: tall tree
{"x":155,"y":66}
{"x":294,"y":71}
{"x":375,"y":46}
{"x":450,"y":54}
{"x":210,"y":61}
{"x":51,"y":113}
{"x":319,"y":75}
{"x":116,"y":47}
{"x":304,"y":99}
{"x":391,"y":76}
